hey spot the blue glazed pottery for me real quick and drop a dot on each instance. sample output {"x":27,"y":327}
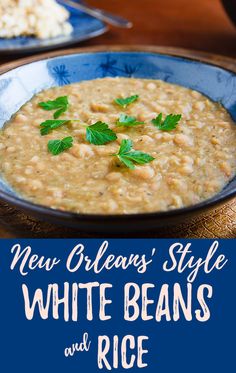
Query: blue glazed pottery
{"x":84,"y":27}
{"x":17,"y":86}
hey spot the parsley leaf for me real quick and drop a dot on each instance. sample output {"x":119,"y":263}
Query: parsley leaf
{"x":127,"y":121}
{"x":60,"y":103}
{"x":50,"y":125}
{"x":124,"y":102}
{"x":125,"y":146}
{"x":128,"y":156}
{"x":169,"y":123}
{"x":99,"y":134}
{"x":58,"y":146}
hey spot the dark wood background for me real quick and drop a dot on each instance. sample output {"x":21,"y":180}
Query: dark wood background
{"x":195,"y":24}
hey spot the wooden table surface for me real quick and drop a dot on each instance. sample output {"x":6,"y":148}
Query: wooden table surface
{"x":195,"y":24}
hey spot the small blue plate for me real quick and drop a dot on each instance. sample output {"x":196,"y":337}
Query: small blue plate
{"x":84,"y":27}
{"x":18,"y":85}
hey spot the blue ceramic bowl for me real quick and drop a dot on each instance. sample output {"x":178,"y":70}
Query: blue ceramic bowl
{"x":84,"y":27}
{"x":18,"y":86}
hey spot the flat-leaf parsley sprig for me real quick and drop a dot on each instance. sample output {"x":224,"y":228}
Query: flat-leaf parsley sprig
{"x":127,"y":121}
{"x":124,"y":102}
{"x":129,"y":157}
{"x":51,"y":124}
{"x":99,"y":133}
{"x":60,"y":104}
{"x":58,"y":146}
{"x":168,"y":124}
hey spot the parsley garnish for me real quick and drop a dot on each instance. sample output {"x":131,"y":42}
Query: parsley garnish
{"x":127,"y":121}
{"x":124,"y":102}
{"x":58,"y":146}
{"x":50,"y":125}
{"x":169,"y":123}
{"x":60,"y":104}
{"x":128,"y":156}
{"x":99,"y":134}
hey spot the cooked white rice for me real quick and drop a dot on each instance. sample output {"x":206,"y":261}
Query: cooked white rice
{"x":39,"y":18}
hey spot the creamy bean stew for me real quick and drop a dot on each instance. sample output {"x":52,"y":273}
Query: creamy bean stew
{"x":118,"y":146}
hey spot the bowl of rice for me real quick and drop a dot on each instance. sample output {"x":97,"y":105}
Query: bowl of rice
{"x":35,"y":25}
